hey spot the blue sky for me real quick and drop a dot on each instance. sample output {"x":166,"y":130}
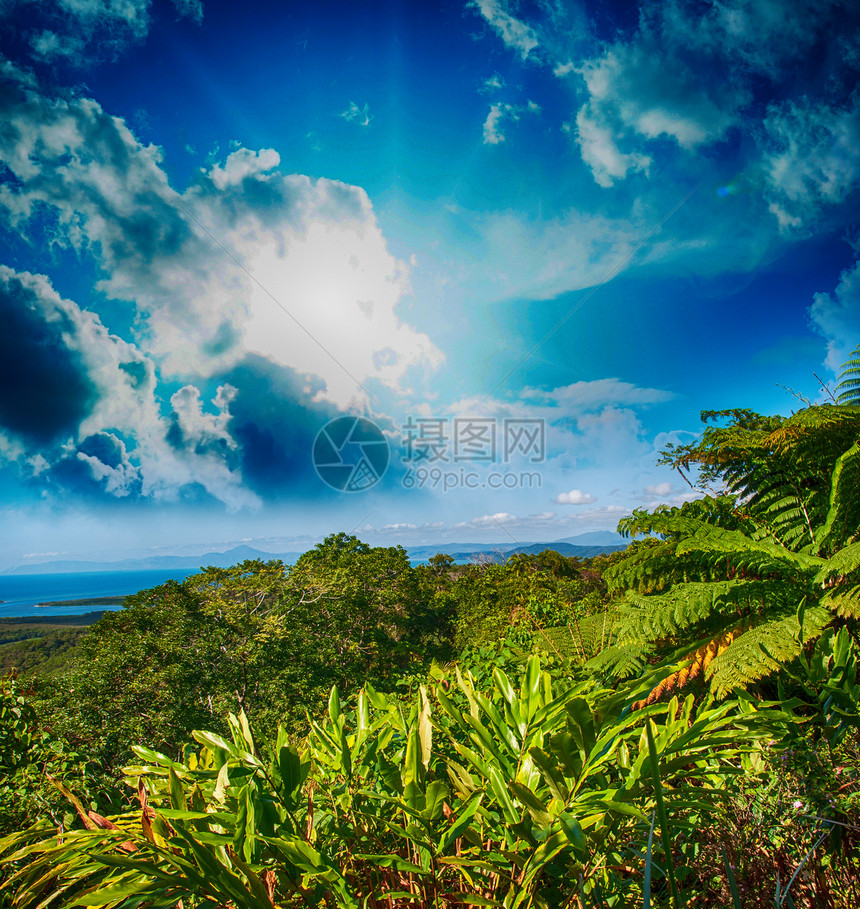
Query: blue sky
{"x":224,"y":225}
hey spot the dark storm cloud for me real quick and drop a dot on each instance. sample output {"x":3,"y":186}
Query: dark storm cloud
{"x":274,"y":422}
{"x":45,"y":390}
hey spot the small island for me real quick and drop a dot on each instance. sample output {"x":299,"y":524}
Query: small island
{"x":93,"y":601}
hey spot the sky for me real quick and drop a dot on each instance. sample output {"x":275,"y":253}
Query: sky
{"x":422,"y":272}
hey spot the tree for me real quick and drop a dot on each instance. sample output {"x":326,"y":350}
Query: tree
{"x":744,"y":580}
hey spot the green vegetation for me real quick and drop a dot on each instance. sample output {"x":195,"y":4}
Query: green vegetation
{"x":672,"y":725}
{"x":87,"y":601}
{"x":40,"y":644}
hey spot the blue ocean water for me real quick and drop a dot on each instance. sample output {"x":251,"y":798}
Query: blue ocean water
{"x":21,"y":592}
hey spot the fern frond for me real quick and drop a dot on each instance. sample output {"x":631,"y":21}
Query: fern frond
{"x":761,"y":556}
{"x":850,"y":379}
{"x":844,"y":600}
{"x":810,"y":425}
{"x":652,"y":618}
{"x":620,"y":661}
{"x":843,"y":517}
{"x":763,"y":649}
{"x":693,"y":667}
{"x":581,"y":639}
{"x":651,"y":565}
{"x":842,"y":563}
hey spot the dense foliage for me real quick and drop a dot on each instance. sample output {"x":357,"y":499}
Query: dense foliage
{"x":675,"y":722}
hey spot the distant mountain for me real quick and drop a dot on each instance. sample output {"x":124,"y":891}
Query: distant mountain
{"x":583,"y":546}
{"x":596,"y":538}
{"x":568,"y":549}
{"x":157,"y":563}
{"x":459,"y":551}
{"x":498,"y":552}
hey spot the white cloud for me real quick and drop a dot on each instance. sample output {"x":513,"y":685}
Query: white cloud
{"x":191,"y":8}
{"x":574,"y":497}
{"x":811,"y":157}
{"x":492,"y":125}
{"x":762,"y":36}
{"x":641,"y":90}
{"x":580,"y":397}
{"x":687,"y":73}
{"x":541,"y":259}
{"x":119,"y":476}
{"x":501,"y":517}
{"x":659,"y":489}
{"x":837,"y":317}
{"x":499,"y":114}
{"x":246,"y":259}
{"x":358,"y":115}
{"x":599,"y":150}
{"x":492,"y":84}
{"x":515,"y":33}
{"x":82,"y":31}
{"x":123,"y":441}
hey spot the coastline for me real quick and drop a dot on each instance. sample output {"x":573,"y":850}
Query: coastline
{"x":86,"y":601}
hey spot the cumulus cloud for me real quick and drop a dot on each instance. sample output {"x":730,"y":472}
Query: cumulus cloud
{"x":110,"y":467}
{"x":45,"y":386}
{"x":246,"y":259}
{"x":88,"y":419}
{"x":811,"y":157}
{"x":686,"y":75}
{"x":637,"y":91}
{"x":586,"y":424}
{"x":599,"y":149}
{"x":574,"y":497}
{"x":836,"y":317}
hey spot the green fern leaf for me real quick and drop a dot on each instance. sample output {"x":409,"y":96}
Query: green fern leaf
{"x":850,"y":380}
{"x":764,"y":649}
{"x":843,"y":517}
{"x":620,"y":661}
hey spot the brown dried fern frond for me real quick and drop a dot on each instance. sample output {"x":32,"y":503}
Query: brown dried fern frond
{"x":694,"y":667}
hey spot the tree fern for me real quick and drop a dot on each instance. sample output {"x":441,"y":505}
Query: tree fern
{"x":620,"y":661}
{"x":721,"y":603}
{"x":732,"y":571}
{"x":843,"y":516}
{"x":850,"y":380}
{"x":764,"y":648}
{"x":582,"y":638}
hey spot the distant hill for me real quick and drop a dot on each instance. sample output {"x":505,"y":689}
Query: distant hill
{"x":156,"y":563}
{"x":585,"y":545}
{"x":597,"y":538}
{"x":568,"y":549}
{"x":498,"y":552}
